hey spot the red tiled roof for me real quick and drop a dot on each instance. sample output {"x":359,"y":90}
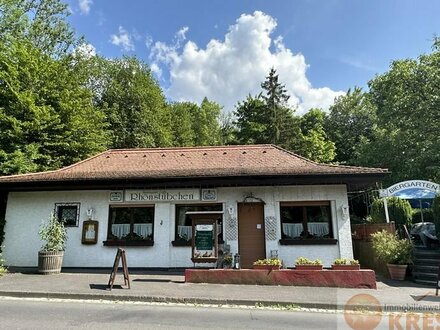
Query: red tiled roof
{"x":208,"y":162}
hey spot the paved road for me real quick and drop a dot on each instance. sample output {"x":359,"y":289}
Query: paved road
{"x":43,"y":314}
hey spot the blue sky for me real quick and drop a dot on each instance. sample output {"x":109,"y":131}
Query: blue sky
{"x":224,"y":49}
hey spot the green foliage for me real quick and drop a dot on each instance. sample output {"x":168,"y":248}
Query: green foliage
{"x":436,"y":214}
{"x":133,"y":104}
{"x":314,"y":143}
{"x":390,"y":249}
{"x":3,"y":269}
{"x":406,"y":138}
{"x":270,"y":262}
{"x":43,"y":23}
{"x":399,"y":211}
{"x":344,"y":261}
{"x":46,"y":115}
{"x":54,"y":234}
{"x":306,"y":261}
{"x":428,"y":215}
{"x":227,"y":260}
{"x":351,"y":120}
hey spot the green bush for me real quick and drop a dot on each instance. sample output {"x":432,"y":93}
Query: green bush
{"x":399,"y":210}
{"x":54,"y":234}
{"x":270,"y":262}
{"x":436,"y":214}
{"x":2,"y":266}
{"x":306,"y":261}
{"x":391,"y":250}
{"x":428,"y":215}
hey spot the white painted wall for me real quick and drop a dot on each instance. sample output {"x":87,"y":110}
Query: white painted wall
{"x":26,"y":210}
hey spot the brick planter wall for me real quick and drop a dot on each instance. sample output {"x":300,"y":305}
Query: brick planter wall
{"x":363,"y":279}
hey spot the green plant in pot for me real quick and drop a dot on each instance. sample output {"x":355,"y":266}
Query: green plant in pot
{"x":269,"y":263}
{"x":303,"y":263}
{"x":50,"y":257}
{"x":395,"y":252}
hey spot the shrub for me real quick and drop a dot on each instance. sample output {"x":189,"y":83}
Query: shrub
{"x":54,"y":234}
{"x":428,"y":215}
{"x":2,"y":265}
{"x":343,"y":261}
{"x":399,"y":210}
{"x":306,"y":261}
{"x":270,"y":262}
{"x":391,"y":250}
{"x":436,"y":214}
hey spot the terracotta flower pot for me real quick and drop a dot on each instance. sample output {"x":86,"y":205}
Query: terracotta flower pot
{"x":397,"y":272}
{"x":267,"y":267}
{"x":346,"y":267}
{"x":308,"y":267}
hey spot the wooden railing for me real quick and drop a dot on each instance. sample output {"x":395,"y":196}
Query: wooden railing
{"x":364,"y":231}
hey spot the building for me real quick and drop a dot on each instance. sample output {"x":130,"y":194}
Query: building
{"x":266,"y":201}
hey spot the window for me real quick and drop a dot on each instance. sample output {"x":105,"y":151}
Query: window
{"x":68,"y":213}
{"x":306,"y":221}
{"x":130,"y":225}
{"x":183,"y":230}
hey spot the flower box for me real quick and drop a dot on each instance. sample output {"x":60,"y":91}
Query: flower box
{"x":267,"y":267}
{"x":346,"y":267}
{"x":308,"y":267}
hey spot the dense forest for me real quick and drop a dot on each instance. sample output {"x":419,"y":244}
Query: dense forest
{"x":60,"y":104}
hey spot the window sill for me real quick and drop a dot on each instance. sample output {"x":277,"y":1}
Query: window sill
{"x":181,"y":243}
{"x":316,"y":241}
{"x":129,"y":243}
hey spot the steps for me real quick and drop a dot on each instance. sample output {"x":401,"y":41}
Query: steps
{"x":426,"y":265}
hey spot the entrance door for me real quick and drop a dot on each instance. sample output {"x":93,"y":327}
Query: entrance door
{"x":251,"y":238}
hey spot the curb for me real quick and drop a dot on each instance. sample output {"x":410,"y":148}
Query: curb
{"x":161,"y":299}
{"x":199,"y":301}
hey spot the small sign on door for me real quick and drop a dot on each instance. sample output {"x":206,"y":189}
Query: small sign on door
{"x":258,"y":225}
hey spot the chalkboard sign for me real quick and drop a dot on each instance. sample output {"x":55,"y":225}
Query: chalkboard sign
{"x":204,"y":243}
{"x":204,"y":237}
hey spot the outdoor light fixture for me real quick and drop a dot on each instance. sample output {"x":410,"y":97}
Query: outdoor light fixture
{"x":231,"y":210}
{"x":344,"y":211}
{"x":90,"y":212}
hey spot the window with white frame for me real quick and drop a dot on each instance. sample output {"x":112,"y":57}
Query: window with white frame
{"x":306,"y":220}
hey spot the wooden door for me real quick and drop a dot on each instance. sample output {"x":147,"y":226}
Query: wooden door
{"x":251,"y":238}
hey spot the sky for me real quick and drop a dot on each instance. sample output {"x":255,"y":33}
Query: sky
{"x":223,"y":50}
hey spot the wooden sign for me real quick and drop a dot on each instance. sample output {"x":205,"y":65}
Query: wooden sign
{"x":120,"y":256}
{"x":90,"y":232}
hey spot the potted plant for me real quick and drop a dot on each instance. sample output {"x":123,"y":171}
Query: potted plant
{"x":268,"y":264}
{"x":303,"y":263}
{"x":395,"y":252}
{"x":227,"y":261}
{"x":345,"y":264}
{"x":50,"y":257}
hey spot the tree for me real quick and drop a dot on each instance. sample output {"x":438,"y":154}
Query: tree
{"x":206,"y":124}
{"x":278,"y":114}
{"x":41,"y":22}
{"x":251,"y":122}
{"x":399,"y":211}
{"x":134,"y":105}
{"x":313,"y":142}
{"x":352,"y":119}
{"x":406,"y":140}
{"x":47,"y":119}
{"x":182,"y":124}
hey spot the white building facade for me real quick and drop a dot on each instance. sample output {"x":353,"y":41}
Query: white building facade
{"x":153,"y":224}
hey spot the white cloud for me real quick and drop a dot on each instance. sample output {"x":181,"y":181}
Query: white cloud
{"x":123,"y":40}
{"x":85,"y":50}
{"x":84,"y":6}
{"x":227,"y":71}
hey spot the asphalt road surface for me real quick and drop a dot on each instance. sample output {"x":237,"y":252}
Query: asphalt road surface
{"x":44,"y":314}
